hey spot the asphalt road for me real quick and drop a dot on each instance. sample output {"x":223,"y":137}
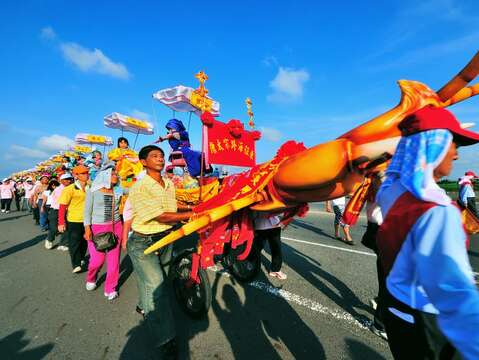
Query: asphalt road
{"x":320,"y":311}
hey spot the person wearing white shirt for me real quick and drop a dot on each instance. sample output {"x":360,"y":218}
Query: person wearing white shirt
{"x":338,"y":208}
{"x":267,"y":227}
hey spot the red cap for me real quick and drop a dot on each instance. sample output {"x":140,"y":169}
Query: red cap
{"x":470,"y":173}
{"x":430,"y":118}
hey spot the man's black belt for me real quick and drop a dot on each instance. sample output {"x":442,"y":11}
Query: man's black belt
{"x":155,"y":236}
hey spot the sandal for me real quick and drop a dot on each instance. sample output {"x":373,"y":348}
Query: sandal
{"x":349,"y":242}
{"x":140,"y":311}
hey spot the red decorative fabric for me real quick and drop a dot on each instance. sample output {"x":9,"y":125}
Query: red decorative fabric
{"x":195,"y":265}
{"x":299,"y":211}
{"x":237,"y":228}
{"x":356,"y":203}
{"x":228,"y":144}
{"x":207,"y":118}
{"x":235,"y":127}
{"x":405,"y":211}
{"x":289,"y":148}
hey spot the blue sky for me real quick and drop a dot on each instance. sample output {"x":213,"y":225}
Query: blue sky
{"x":313,"y":69}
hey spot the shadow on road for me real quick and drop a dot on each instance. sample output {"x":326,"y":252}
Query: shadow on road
{"x":139,"y":345}
{"x":13,"y":217}
{"x":302,"y":224}
{"x":263,"y":327}
{"x":22,"y":246}
{"x":12,"y":347}
{"x":260,"y":327}
{"x":328,"y":284}
{"x":359,"y":351}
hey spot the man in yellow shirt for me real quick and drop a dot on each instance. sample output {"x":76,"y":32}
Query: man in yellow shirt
{"x":72,"y":202}
{"x":154,"y":212}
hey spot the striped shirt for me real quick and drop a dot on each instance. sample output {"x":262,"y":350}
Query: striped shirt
{"x":98,"y":208}
{"x":149,"y":200}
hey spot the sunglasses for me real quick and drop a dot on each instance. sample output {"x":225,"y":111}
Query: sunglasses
{"x":83,"y":173}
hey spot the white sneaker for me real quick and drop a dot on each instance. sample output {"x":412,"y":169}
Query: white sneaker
{"x":278,"y":274}
{"x":48,"y":244}
{"x":379,"y":332}
{"x":111,"y":296}
{"x":3,"y":210}
{"x":76,"y":270}
{"x":7,"y":212}
{"x":90,"y":286}
{"x":62,"y":248}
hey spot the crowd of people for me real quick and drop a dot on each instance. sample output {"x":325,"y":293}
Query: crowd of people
{"x":427,"y":305}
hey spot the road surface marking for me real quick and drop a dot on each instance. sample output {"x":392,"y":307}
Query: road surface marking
{"x":310,"y":304}
{"x":300,"y":300}
{"x":329,"y":246}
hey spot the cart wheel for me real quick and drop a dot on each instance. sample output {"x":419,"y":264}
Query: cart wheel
{"x":194,"y":298}
{"x":247,"y":269}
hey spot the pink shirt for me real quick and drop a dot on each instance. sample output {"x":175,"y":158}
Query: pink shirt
{"x":127,"y":211}
{"x":55,"y":196}
{"x":28,"y":190}
{"x":6,"y":190}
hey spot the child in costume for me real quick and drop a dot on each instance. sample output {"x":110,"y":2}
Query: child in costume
{"x":179,"y":140}
{"x":94,"y":162}
{"x":431,"y":300}
{"x":127,"y":164}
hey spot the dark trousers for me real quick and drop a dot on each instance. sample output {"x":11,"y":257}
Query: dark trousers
{"x":471,"y":204}
{"x":369,"y":240}
{"x":36,"y":215}
{"x":52,"y":224}
{"x":6,"y":203}
{"x":420,"y":340}
{"x":17,"y":202}
{"x":77,"y":245}
{"x":273,"y":236}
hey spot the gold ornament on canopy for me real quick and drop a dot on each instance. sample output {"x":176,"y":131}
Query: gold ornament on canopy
{"x":249,"y":106}
{"x":199,"y":97}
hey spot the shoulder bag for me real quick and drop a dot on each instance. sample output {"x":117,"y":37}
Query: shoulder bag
{"x":107,"y":240}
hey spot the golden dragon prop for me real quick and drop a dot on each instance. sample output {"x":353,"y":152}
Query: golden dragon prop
{"x":335,"y":168}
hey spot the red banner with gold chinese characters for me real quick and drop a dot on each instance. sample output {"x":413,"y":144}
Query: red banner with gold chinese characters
{"x":228,"y":144}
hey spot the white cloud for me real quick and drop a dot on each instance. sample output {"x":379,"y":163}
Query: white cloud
{"x":48,"y":33}
{"x":55,"y":142}
{"x":271,"y":134}
{"x":85,"y":59}
{"x":18,"y":151}
{"x":288,"y":85}
{"x":140,"y":114}
{"x":93,"y":61}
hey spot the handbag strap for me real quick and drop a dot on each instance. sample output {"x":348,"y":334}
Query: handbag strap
{"x":113,"y":212}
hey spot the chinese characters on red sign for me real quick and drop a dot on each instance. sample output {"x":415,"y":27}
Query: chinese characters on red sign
{"x":225,"y":146}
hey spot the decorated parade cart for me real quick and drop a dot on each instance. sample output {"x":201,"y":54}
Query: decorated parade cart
{"x":328,"y":171}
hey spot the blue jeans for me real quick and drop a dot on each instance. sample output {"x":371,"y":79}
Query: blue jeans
{"x":153,"y":287}
{"x":43,"y":215}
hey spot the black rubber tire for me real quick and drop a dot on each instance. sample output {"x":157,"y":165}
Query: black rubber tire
{"x":245,"y":270}
{"x":195,"y":299}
